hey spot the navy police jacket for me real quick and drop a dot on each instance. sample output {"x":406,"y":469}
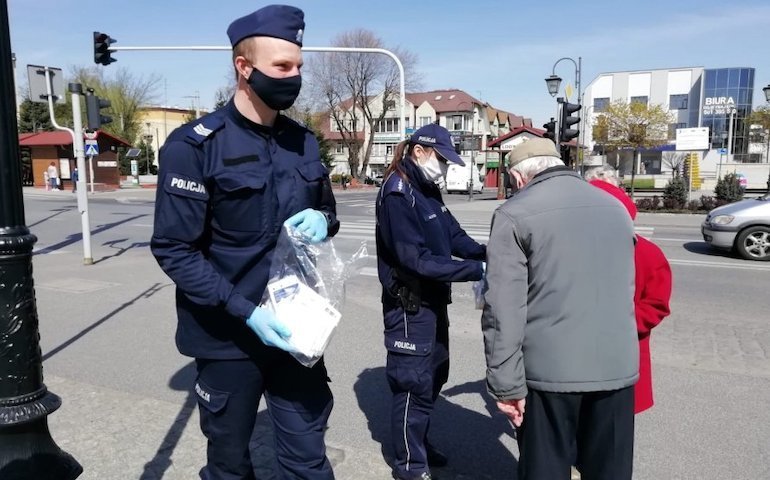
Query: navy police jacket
{"x":225,"y":187}
{"x":418,"y":237}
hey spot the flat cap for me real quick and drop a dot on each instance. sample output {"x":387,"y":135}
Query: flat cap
{"x":534,"y":147}
{"x":277,"y":21}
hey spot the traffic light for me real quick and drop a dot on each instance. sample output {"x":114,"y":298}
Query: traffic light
{"x":94,"y":105}
{"x":102,"y":54}
{"x":550,"y":130}
{"x":567,"y":120}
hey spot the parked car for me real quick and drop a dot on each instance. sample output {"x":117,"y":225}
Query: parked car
{"x":741,"y":226}
{"x":458,"y":177}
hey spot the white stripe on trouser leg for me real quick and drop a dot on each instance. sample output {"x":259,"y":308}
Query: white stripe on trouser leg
{"x":406,"y":442}
{"x":406,"y":326}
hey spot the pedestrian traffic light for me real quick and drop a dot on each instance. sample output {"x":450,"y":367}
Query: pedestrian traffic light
{"x":550,"y":130}
{"x":102,"y":54}
{"x":94,"y":105}
{"x":567,"y":120}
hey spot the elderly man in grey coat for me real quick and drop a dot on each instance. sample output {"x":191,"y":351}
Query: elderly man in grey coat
{"x":559,"y":329}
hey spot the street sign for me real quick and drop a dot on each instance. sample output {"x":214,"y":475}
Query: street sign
{"x":38,"y":90}
{"x":92,"y":149}
{"x":90,"y":135}
{"x":692,"y":138}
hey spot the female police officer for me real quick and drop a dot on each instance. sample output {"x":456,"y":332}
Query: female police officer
{"x":416,"y":239}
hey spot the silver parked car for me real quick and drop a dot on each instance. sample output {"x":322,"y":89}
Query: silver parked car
{"x":743,"y":226}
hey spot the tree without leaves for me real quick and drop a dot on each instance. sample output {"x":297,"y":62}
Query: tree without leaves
{"x":359,"y":89}
{"x":635,"y":126}
{"x":675,"y":161}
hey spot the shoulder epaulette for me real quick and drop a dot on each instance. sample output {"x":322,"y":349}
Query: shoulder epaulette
{"x":199,"y":131}
{"x":395,"y":184}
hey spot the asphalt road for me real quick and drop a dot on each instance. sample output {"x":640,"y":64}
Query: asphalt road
{"x":111,"y":326}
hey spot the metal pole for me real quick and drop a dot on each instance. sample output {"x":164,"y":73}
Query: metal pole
{"x":473,"y":156}
{"x":768,"y":160}
{"x":77,"y":148}
{"x":91,"y":171}
{"x":82,"y":196}
{"x":27,"y":450}
{"x":730,"y":137}
{"x":402,"y":83}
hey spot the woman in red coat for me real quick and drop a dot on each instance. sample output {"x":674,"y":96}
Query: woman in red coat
{"x":651,"y":299}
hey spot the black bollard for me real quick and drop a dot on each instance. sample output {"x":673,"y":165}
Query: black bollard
{"x":27,"y":450}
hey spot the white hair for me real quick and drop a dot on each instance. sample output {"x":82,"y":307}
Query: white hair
{"x":532,"y":166}
{"x":605,"y":173}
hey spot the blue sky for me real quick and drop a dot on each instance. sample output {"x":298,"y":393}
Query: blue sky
{"x":499,"y":51}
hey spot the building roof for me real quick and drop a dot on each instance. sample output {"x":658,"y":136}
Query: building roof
{"x":517,"y":131}
{"x":60,"y":138}
{"x":451,"y":100}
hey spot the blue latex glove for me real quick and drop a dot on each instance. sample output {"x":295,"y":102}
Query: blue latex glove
{"x":269,"y":329}
{"x":311,"y":223}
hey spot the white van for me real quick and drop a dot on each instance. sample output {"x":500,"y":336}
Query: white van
{"x":458,"y":177}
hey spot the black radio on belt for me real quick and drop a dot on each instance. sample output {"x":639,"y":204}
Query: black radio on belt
{"x":408,"y":292}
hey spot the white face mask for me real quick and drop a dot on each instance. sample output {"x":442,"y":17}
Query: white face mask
{"x":434,"y":169}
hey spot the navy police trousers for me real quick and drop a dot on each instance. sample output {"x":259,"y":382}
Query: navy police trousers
{"x":299,"y":402}
{"x":417,"y":368}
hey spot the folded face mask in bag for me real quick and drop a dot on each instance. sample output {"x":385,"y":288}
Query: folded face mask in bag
{"x":310,"y":318}
{"x":306,"y":290}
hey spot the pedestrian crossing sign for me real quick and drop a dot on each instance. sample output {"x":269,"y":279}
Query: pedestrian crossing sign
{"x":92,"y":150}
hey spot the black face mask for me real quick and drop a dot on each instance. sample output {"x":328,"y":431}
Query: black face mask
{"x":277,"y":93}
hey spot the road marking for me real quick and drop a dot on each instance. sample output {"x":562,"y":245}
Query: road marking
{"x":736,"y":266}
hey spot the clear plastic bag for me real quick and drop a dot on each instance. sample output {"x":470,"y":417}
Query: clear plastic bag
{"x":478,"y":288}
{"x":306,"y":290}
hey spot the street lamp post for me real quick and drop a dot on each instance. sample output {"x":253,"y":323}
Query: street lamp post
{"x":464,"y":143}
{"x":554,"y":81}
{"x":767,"y":145}
{"x":27,"y":450}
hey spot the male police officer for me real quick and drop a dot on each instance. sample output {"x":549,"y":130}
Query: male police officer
{"x":228,"y":183}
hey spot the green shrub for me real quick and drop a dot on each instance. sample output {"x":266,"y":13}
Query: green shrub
{"x":675,"y":194}
{"x":693,"y":205}
{"x":729,"y":189}
{"x":708,"y":203}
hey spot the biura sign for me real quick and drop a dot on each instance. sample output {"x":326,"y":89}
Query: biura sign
{"x":718,"y":105}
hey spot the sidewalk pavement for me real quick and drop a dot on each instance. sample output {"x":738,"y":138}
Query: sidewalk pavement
{"x":143,"y":424}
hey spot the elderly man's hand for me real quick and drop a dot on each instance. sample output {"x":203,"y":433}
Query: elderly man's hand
{"x":513,"y":409}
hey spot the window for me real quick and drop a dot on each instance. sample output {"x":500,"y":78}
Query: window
{"x":672,"y":129}
{"x":601,"y":104}
{"x":677,"y":102}
{"x":389,"y":149}
{"x":390,"y":105}
{"x":408,"y":122}
{"x":642,"y":100}
{"x":339,"y":148}
{"x":454,"y":122}
{"x":387,"y":125}
{"x":424,"y":121}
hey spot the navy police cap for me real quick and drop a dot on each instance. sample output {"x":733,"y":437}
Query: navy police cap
{"x":436,"y":136}
{"x":278,"y":21}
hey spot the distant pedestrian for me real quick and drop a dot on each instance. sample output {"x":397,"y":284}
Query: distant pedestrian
{"x":53,"y":176}
{"x":652,"y":294}
{"x":47,"y":181}
{"x":75,"y":178}
{"x":558,"y":322}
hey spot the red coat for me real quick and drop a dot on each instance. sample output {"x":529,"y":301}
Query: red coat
{"x":653,"y":292}
{"x":651,"y":301}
